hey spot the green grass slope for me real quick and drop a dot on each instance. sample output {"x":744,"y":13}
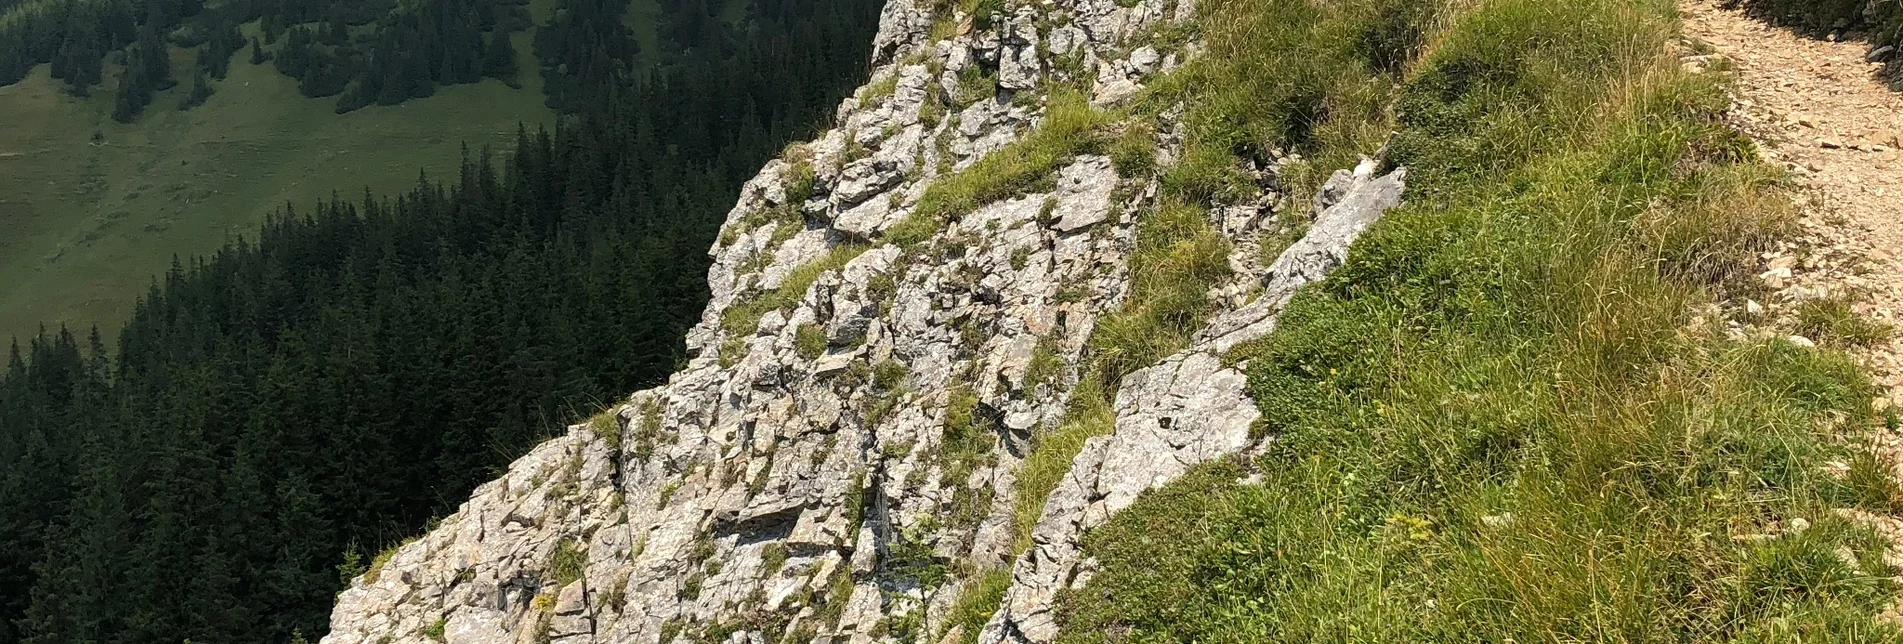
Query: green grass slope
{"x":85,"y":223}
{"x":1505,"y":418}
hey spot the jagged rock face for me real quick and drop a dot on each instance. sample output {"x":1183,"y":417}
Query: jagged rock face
{"x":841,"y":452}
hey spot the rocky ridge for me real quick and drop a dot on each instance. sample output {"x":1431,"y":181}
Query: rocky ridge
{"x":839,"y":460}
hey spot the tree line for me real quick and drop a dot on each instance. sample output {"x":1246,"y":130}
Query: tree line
{"x":362,"y":51}
{"x":275,"y":414}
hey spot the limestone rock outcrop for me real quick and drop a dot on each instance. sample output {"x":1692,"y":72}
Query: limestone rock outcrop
{"x":839,"y":457}
{"x":1187,"y":410}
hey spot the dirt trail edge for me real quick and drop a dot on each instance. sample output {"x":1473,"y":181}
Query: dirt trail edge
{"x":1820,"y":110}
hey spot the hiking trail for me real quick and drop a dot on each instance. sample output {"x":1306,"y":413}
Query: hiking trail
{"x":1819,"y":109}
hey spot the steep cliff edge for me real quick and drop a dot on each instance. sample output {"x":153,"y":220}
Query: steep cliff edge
{"x":901,"y":314}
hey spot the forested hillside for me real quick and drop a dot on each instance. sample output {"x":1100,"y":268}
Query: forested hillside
{"x":94,"y":207}
{"x":379,"y":51}
{"x":278,"y":413}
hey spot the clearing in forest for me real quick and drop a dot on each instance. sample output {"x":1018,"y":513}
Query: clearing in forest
{"x":91,"y":210}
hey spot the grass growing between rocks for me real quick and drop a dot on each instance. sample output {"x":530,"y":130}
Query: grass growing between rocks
{"x":1297,"y":78}
{"x":979,"y":600}
{"x":1071,"y":127}
{"x":1834,"y":322}
{"x":568,"y":562}
{"x":743,"y":318}
{"x":606,"y":425}
{"x":1497,"y":422}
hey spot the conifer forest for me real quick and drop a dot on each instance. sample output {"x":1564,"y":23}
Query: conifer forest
{"x":277,"y":413}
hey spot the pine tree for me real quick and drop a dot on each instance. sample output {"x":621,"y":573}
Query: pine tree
{"x":336,"y":32}
{"x":80,"y":54}
{"x":80,"y":577}
{"x":157,"y":59}
{"x":294,"y":58}
{"x":134,"y":92}
{"x":201,"y":91}
{"x":498,"y":60}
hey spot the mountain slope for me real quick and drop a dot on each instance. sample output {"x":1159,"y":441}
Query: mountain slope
{"x":97,"y":208}
{"x":284,"y":408}
{"x":1020,"y":352}
{"x":899,"y":309}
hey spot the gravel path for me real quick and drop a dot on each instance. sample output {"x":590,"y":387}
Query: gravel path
{"x":1820,"y":110}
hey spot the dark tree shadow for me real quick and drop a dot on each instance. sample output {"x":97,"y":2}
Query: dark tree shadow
{"x":1876,"y":22}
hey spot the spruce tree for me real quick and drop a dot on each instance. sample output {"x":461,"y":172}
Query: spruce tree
{"x":133,"y":93}
{"x":201,"y":91}
{"x":498,"y":60}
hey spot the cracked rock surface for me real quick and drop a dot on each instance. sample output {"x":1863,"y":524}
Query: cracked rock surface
{"x":840,"y":454}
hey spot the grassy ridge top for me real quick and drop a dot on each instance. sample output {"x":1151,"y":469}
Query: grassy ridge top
{"x":90,"y":222}
{"x":1503,"y":420}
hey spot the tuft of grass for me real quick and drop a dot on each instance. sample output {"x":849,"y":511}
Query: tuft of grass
{"x":1046,"y":366}
{"x":1491,"y":424}
{"x":760,"y":479}
{"x":607,"y":426}
{"x":983,"y":12}
{"x":1729,"y":212}
{"x":1071,"y":127}
{"x":879,"y":90}
{"x":913,"y":230}
{"x":1873,"y":485}
{"x":671,"y":629}
{"x":435,"y":629}
{"x":666,"y":495}
{"x":743,"y":317}
{"x":1134,"y":151}
{"x":375,"y":571}
{"x":567,"y":563}
{"x":647,"y":429}
{"x":772,"y":558}
{"x":1090,"y":414}
{"x":809,"y":340}
{"x":690,"y":587}
{"x":1833,"y":322}
{"x":970,"y":435}
{"x":839,"y":592}
{"x":1178,"y":256}
{"x":943,"y":28}
{"x":979,"y":600}
{"x":889,"y":374}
